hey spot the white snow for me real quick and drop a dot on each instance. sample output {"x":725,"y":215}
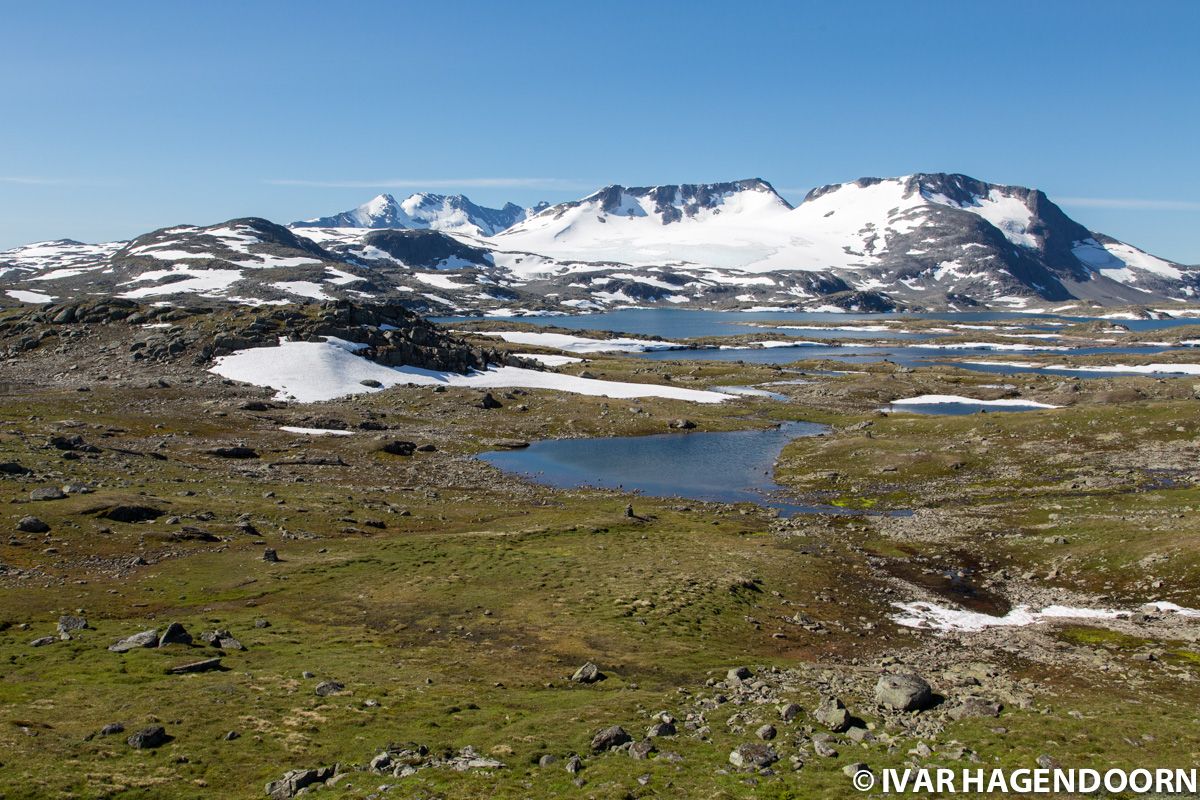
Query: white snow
{"x":1122,"y":262}
{"x":549,"y":360}
{"x":943,"y":618}
{"x":310,"y":372}
{"x":942,"y":399}
{"x":196,"y":281}
{"x":1007,"y":213}
{"x":1148,"y":369}
{"x":315,"y":431}
{"x":29,"y":297}
{"x":582,"y":344}
{"x":439,"y":281}
{"x":314,"y":291}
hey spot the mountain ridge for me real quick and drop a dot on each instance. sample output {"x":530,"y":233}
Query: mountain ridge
{"x":925,"y":241}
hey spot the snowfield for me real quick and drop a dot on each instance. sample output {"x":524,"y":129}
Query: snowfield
{"x":943,"y":618}
{"x":947,"y":399}
{"x":311,"y":372}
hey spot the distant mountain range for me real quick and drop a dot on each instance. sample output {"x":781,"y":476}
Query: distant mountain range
{"x":920,"y":242}
{"x":423,"y":211}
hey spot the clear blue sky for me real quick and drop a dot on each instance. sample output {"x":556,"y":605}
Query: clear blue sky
{"x":120,"y":117}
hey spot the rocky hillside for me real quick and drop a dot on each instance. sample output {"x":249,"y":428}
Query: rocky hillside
{"x":122,"y":332}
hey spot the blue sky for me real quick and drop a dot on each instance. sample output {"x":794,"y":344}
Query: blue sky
{"x":121,"y":117}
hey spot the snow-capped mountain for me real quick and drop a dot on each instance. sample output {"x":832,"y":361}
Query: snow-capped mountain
{"x":452,"y":213}
{"x":925,"y":241}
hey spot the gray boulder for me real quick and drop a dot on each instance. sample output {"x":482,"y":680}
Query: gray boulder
{"x":609,"y":738}
{"x":832,"y":714}
{"x":149,"y":738}
{"x":144,"y":639}
{"x":753,"y":755}
{"x":175,"y":634}
{"x":903,"y":692}
{"x":32,"y":525}
{"x":588,"y":673}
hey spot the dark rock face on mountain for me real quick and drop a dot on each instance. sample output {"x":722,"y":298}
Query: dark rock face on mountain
{"x":427,"y":249}
{"x":424,"y":211}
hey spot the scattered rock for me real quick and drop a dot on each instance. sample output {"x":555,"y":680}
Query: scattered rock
{"x":327,"y":688}
{"x":822,"y":746}
{"x":790,"y":712}
{"x":205,"y":665}
{"x":738,"y":674}
{"x":269,"y":555}
{"x":47,"y":493}
{"x":975,"y":707}
{"x":489,"y":402}
{"x":112,"y":729}
{"x":574,"y":765}
{"x":131,"y":514}
{"x":681,"y":424}
{"x":395,"y":447}
{"x":43,"y":641}
{"x":766,"y":733}
{"x":753,"y":755}
{"x":233,"y":452}
{"x":295,"y":780}
{"x":68,"y":624}
{"x":642,"y":750}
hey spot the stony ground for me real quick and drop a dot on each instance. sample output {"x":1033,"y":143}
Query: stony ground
{"x":381,"y":615}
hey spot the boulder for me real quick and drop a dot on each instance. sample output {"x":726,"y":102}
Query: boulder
{"x":609,"y":738}
{"x":588,"y":673}
{"x":753,"y":755}
{"x":175,"y":633}
{"x":234,"y":452}
{"x":293,"y":781}
{"x":47,"y":493}
{"x":832,"y":714}
{"x":903,"y":692}
{"x":32,"y":525}
{"x":144,"y":639}
{"x":149,"y":738}
{"x":327,"y":688}
{"x":396,"y":447}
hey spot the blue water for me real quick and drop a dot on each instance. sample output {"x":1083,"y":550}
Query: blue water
{"x":897,"y":354}
{"x":683,"y":323}
{"x":726,"y":467}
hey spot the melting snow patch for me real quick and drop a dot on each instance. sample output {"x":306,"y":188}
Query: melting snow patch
{"x":548,"y":360}
{"x":942,"y":618}
{"x":310,"y":372}
{"x":940,"y":399}
{"x":315,"y":431}
{"x":29,"y":297}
